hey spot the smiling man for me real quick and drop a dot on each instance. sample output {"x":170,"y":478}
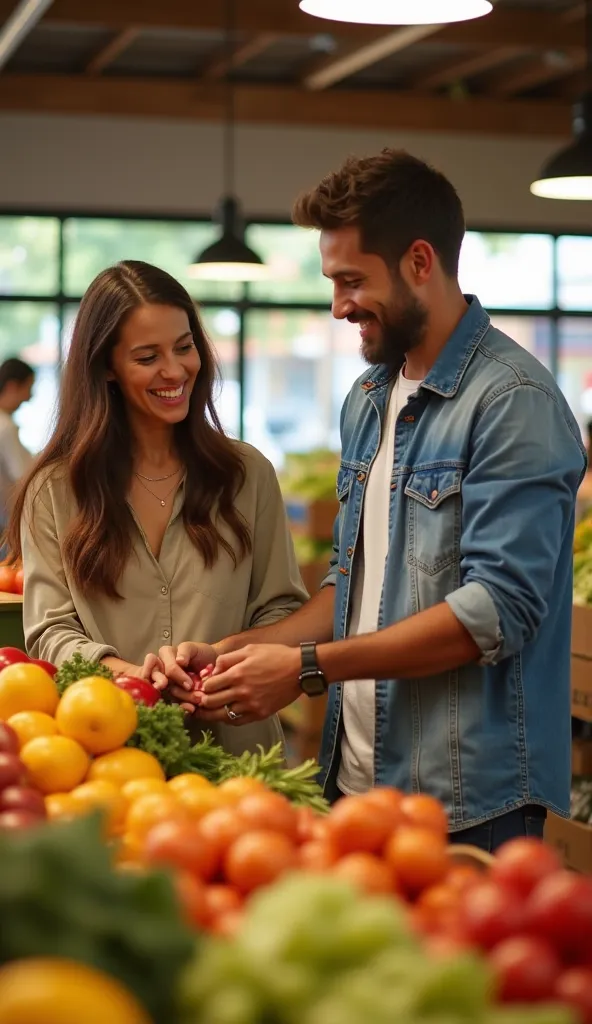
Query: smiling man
{"x":442,"y":631}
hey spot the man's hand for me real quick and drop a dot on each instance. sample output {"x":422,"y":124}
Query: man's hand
{"x":255,"y":683}
{"x":168,"y":671}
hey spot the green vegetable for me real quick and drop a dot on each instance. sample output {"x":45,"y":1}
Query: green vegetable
{"x":297,"y":784}
{"x":161,"y":732}
{"x":77,"y":668}
{"x":59,"y":896}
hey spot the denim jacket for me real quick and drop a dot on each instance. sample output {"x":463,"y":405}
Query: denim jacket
{"x":488,"y":460}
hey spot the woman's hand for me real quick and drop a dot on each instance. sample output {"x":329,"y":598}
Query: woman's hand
{"x":127,"y":668}
{"x":168,"y":670}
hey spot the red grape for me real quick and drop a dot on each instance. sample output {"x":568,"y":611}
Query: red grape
{"x":12,"y":771}
{"x":9,"y":741}
{"x":18,"y":819}
{"x":22,"y":798}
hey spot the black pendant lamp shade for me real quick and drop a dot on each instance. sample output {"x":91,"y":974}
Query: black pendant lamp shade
{"x":568,"y":175}
{"x":230,"y":258}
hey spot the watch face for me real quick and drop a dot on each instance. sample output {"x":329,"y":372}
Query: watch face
{"x":313,"y":685}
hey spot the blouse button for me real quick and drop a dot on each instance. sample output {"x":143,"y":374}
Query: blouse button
{"x":164,"y":590}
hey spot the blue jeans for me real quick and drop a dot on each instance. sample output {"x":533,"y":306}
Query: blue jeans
{"x":527,"y":821}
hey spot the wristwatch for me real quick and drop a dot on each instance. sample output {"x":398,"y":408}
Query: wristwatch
{"x":312,"y":681}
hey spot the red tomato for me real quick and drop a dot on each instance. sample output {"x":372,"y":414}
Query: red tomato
{"x":11,"y":656}
{"x":359,"y":825}
{"x":418,"y":857}
{"x":258,"y":858}
{"x":7,"y":579}
{"x":18,"y":820}
{"x":318,"y":855}
{"x":140,"y":689}
{"x":9,"y":741}
{"x":424,"y":811}
{"x":366,"y":872}
{"x":45,"y":665}
{"x":19,"y":581}
{"x":560,"y":910}
{"x":222,"y":899}
{"x":389,"y":799}
{"x":439,"y":905}
{"x":526,"y":970}
{"x":23,"y":798}
{"x":179,"y":844}
{"x":227,"y":925}
{"x":574,"y":988}
{"x":219,"y":829}
{"x":522,"y":863}
{"x":269,"y":811}
{"x":191,"y":894}
{"x":490,"y":913}
{"x":12,"y":771}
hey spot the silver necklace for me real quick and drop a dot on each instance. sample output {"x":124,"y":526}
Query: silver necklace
{"x":162,"y":501}
{"x":157,"y":479}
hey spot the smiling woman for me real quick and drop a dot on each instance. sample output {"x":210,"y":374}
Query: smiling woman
{"x":141,"y":521}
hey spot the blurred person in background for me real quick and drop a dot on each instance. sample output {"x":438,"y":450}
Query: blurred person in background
{"x":585,"y":491}
{"x":16,"y":385}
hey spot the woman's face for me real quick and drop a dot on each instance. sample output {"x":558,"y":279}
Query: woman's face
{"x":155,"y":364}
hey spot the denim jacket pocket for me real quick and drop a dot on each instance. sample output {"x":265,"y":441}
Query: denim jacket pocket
{"x":434,"y":517}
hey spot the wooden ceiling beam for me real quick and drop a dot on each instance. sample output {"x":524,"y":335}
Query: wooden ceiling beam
{"x":536,"y":72}
{"x":335,"y":69}
{"x":279,"y":105}
{"x":463,"y":68}
{"x":220,"y":65}
{"x":535,"y":30}
{"x":112,"y":50}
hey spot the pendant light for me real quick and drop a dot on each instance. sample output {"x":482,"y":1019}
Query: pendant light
{"x":568,"y":175}
{"x":229,"y":258}
{"x":397,"y":12}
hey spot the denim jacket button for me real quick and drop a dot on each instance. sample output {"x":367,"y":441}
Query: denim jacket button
{"x":349,"y":552}
{"x":434,"y":495}
{"x":361,"y":477}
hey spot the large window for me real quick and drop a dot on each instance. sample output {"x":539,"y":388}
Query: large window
{"x":285,"y":363}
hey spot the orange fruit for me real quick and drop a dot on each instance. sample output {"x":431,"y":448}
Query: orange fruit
{"x":55,"y":764}
{"x":28,"y":725}
{"x":26,"y":687}
{"x":199,"y":801}
{"x":129,"y":849}
{"x":181,"y":783}
{"x":136,"y":788}
{"x":97,"y":714}
{"x":236,"y":788}
{"x":60,"y":805}
{"x":52,"y":991}
{"x":150,"y":810}
{"x":424,"y":811}
{"x":103,"y":795}
{"x":418,"y":857}
{"x":121,"y":766}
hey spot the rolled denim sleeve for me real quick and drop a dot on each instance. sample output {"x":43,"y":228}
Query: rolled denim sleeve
{"x":518,"y":505}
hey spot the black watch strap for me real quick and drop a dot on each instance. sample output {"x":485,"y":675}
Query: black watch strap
{"x":308,"y":654}
{"x":312,"y":680}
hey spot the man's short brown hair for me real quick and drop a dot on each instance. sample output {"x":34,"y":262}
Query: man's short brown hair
{"x":395,"y":200}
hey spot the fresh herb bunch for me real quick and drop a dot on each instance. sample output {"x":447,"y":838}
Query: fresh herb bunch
{"x":77,"y":668}
{"x":298,"y":784}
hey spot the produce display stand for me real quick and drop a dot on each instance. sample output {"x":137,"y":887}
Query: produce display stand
{"x":11,"y":621}
{"x":573,"y":839}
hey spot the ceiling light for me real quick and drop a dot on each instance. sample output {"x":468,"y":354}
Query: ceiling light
{"x":568,"y":175}
{"x":397,"y":12}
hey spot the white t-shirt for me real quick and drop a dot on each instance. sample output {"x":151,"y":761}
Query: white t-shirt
{"x":356,"y":772}
{"x":14,"y":461}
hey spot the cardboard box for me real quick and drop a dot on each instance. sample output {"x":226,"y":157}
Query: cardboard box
{"x":581,"y":631}
{"x":572,"y":841}
{"x":312,"y":519}
{"x":581,"y":757}
{"x":581,"y":688}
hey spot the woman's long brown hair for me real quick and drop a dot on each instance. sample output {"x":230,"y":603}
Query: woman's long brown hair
{"x":92,"y":441}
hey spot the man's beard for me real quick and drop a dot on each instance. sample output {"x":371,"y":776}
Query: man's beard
{"x":400,"y":329}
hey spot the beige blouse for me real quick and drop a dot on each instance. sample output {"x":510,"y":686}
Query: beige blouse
{"x":165,"y":600}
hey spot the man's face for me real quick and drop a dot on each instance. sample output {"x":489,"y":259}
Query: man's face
{"x":18,"y":392}
{"x":392,"y":319}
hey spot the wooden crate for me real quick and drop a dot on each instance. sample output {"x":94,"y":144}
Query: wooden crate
{"x":312,"y":519}
{"x":581,"y":664}
{"x":581,"y":757}
{"x":572,"y":840}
